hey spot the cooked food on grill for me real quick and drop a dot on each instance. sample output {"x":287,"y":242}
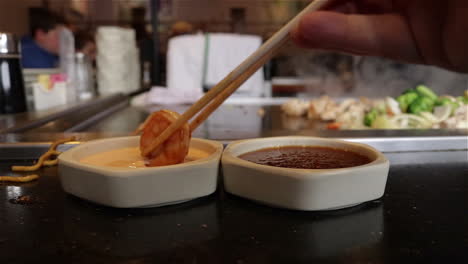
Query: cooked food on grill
{"x":26,"y":178}
{"x":415,"y":108}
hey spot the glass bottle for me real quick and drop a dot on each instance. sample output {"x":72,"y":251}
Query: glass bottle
{"x":84,"y":80}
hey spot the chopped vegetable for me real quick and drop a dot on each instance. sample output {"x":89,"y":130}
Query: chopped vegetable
{"x":421,"y":104}
{"x":334,"y":126}
{"x":443,"y":101}
{"x":442,"y":112}
{"x":370,"y":117}
{"x":406,"y":99}
{"x":409,"y":91}
{"x":462,"y":99}
{"x":429,"y":116}
{"x":417,"y":108}
{"x":295,"y":107}
{"x":383,"y":122}
{"x":424,"y":91}
{"x":392,"y":106}
{"x":410,"y":121}
{"x":453,"y":103}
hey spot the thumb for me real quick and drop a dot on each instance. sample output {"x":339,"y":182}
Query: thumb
{"x":386,"y":35}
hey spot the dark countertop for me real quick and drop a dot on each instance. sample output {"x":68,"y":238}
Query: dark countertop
{"x":421,"y":219}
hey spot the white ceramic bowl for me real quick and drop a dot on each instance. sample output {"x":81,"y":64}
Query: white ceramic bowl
{"x":304,"y":189}
{"x":140,"y":187}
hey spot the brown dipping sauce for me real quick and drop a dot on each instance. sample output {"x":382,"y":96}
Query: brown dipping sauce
{"x":310,"y":157}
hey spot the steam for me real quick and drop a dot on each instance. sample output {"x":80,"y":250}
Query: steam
{"x":341,"y":75}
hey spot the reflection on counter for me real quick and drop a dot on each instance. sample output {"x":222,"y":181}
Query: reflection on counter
{"x":227,"y":122}
{"x":359,"y":232}
{"x":138,"y":232}
{"x":233,"y":122}
{"x":356,"y":231}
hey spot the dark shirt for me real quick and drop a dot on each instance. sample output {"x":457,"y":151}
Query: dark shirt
{"x":33,"y":56}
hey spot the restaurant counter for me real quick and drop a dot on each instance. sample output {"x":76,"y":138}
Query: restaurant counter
{"x":236,"y":119}
{"x":420,"y":219}
{"x":65,"y":118}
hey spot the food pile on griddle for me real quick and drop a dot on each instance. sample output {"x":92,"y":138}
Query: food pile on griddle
{"x":415,"y":108}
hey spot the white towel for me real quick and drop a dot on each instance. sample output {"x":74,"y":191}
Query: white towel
{"x":184,"y":64}
{"x":184,"y":72}
{"x":226,"y":52}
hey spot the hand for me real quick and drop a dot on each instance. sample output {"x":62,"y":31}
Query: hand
{"x":417,"y":31}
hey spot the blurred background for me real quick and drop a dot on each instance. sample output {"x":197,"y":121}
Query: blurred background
{"x":153,"y":54}
{"x":293,"y":71}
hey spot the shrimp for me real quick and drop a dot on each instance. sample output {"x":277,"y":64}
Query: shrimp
{"x":140,"y":128}
{"x":174,"y":149}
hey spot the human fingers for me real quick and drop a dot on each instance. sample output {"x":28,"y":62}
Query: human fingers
{"x":386,"y":35}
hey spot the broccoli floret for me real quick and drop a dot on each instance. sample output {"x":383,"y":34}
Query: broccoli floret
{"x":371,"y":116}
{"x":462,"y":99}
{"x":426,"y":92}
{"x":442,"y":101}
{"x":421,"y":104}
{"x":406,"y":99}
{"x":409,"y":91}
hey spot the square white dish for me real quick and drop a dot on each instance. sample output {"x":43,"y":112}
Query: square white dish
{"x":138,"y":187}
{"x":304,"y":189}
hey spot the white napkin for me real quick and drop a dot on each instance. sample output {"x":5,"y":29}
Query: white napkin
{"x":185,"y":63}
{"x":227,"y":51}
{"x":184,"y":72}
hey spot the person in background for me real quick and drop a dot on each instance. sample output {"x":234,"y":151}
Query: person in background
{"x":429,"y":32}
{"x":41,"y":48}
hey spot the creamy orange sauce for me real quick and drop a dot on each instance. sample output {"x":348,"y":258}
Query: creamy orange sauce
{"x":131,"y":158}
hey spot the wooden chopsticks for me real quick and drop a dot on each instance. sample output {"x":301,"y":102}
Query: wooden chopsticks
{"x":233,"y":80}
{"x":218,"y":100}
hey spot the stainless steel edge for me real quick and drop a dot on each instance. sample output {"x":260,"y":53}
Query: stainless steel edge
{"x":429,"y":157}
{"x":415,"y":144}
